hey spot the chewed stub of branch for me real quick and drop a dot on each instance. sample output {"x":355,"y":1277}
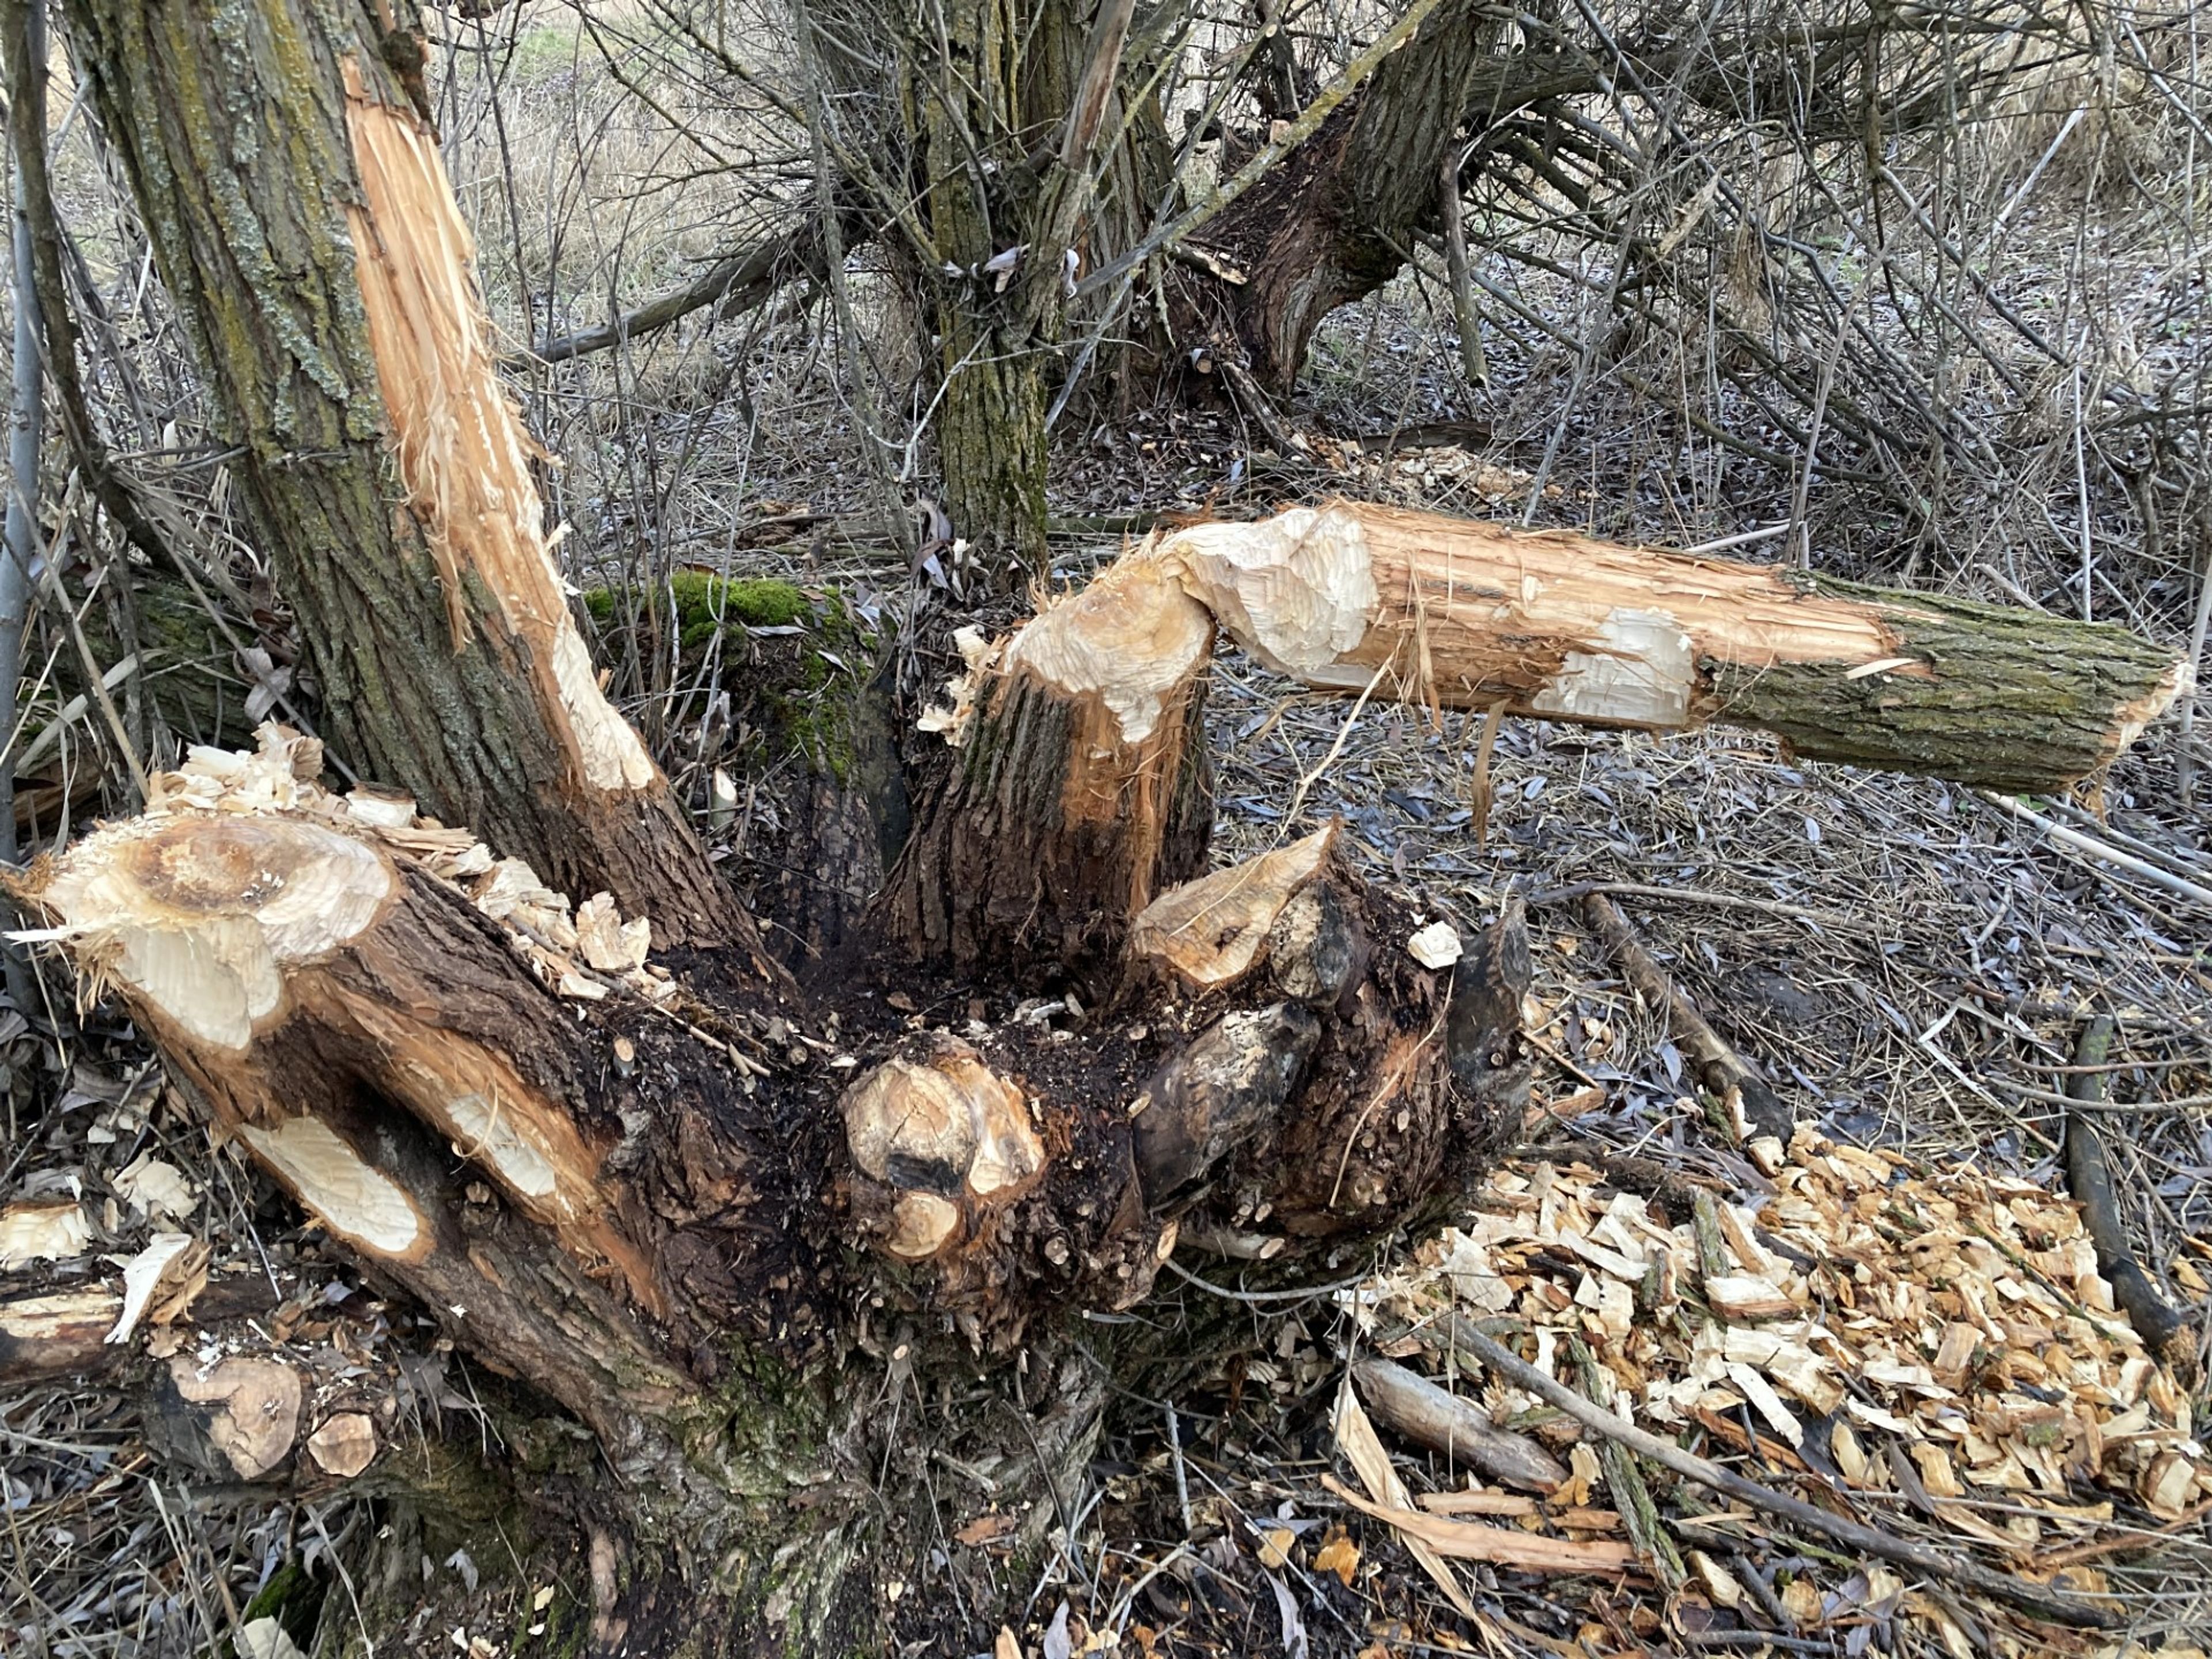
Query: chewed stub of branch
{"x":1128,"y":645}
{"x":242,"y":866}
{"x":941,"y":1140}
{"x":1210,"y":931}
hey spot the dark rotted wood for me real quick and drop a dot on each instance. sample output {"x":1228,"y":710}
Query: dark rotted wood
{"x":1394,"y":1118}
{"x":1219,"y":1094}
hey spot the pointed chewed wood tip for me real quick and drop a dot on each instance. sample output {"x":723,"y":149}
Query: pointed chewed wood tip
{"x":1210,"y":931}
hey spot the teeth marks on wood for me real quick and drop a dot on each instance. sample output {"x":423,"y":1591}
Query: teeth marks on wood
{"x":1437,"y":611}
{"x":1210,"y":931}
{"x":939,"y":1143}
{"x":341,"y":1189}
{"x":201,"y":919}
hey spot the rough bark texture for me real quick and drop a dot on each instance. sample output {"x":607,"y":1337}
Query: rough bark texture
{"x":438,"y":680}
{"x":1341,"y":216}
{"x":1081,"y":790}
{"x":980,"y":110}
{"x":731,"y":1230}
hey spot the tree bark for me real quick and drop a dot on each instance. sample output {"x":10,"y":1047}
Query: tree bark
{"x":1340,"y":215}
{"x":325,"y":285}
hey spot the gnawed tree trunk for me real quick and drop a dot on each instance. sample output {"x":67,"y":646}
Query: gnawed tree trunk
{"x":719,"y":1223}
{"x":1083,"y":773}
{"x":687,"y":1222}
{"x":326,"y":287}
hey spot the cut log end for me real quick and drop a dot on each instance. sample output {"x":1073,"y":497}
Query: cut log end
{"x":1132,"y":641}
{"x":200,"y":916}
{"x":942,"y":1140}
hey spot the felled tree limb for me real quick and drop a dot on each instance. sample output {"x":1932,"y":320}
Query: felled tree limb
{"x":2089,"y":1178}
{"x":1357,"y":598}
{"x":2037,"y":1599}
{"x":1440,"y":1420}
{"x":1751,"y":1106}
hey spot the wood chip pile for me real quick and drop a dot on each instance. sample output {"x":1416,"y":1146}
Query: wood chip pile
{"x":1934,"y":1349}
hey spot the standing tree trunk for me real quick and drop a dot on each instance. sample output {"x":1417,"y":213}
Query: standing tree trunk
{"x":326,"y":287}
{"x":1011,"y":132}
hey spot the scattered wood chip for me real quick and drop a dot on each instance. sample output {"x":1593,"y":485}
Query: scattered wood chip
{"x":1739,"y":1296}
{"x":344,"y":1445}
{"x":49,"y":1230}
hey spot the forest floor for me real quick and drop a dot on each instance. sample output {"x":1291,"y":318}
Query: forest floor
{"x":1909,"y":962}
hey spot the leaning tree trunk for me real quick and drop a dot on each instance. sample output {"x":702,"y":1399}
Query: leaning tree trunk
{"x":1339,"y":215}
{"x":325,"y":284}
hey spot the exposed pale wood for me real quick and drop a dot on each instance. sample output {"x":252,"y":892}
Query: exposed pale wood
{"x":344,"y":1446}
{"x":1506,"y":1546}
{"x":946,"y":1139}
{"x":1442,"y":611}
{"x":245,"y":1408}
{"x":458,"y":439}
{"x":1210,"y":931}
{"x":1742,"y":1297}
{"x":1459,"y":1429}
{"x":54,"y":1333}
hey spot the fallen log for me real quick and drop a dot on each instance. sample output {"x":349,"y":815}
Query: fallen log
{"x":1357,"y":598}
